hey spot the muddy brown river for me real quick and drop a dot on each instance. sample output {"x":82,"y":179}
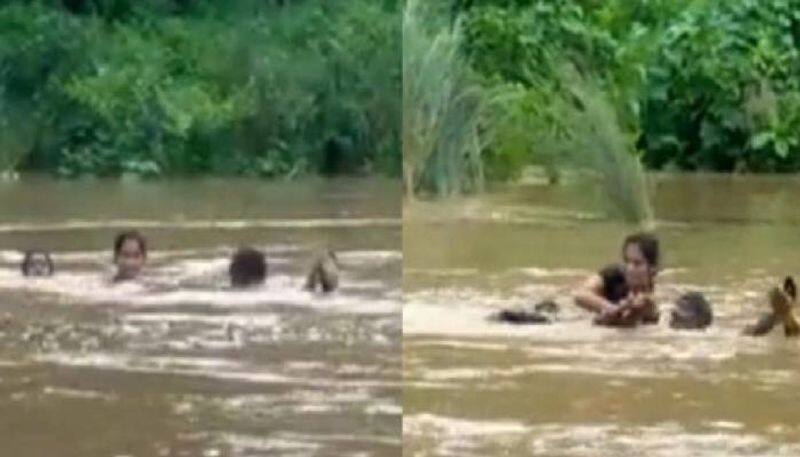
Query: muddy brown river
{"x":176,"y":364}
{"x":478,"y":388}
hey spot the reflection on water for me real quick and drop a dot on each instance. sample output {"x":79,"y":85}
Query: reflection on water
{"x":178,"y":364}
{"x":477,"y":388}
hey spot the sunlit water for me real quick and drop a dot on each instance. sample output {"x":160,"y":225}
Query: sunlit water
{"x":478,"y":388}
{"x":177,"y":364}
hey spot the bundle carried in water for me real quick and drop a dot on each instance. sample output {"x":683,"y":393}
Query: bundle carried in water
{"x":544,"y":312}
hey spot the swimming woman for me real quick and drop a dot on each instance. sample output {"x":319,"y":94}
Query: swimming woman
{"x":622,"y":294}
{"x":37,"y":263}
{"x":130,"y":255}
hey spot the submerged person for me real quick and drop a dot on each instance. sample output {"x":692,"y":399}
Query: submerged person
{"x":622,"y":294}
{"x":37,"y":263}
{"x":324,"y":273}
{"x":130,"y":255}
{"x":248,"y":268}
{"x":691,"y":312}
{"x":781,"y":301}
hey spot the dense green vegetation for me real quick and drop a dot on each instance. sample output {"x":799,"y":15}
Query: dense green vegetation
{"x":690,"y":84}
{"x":170,"y":87}
{"x":483,"y":89}
{"x":603,"y":89}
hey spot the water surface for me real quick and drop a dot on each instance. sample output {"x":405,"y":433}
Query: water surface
{"x":477,"y":388}
{"x":177,"y":365}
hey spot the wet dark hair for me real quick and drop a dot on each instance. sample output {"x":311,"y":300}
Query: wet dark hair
{"x":248,"y":267}
{"x":697,"y":305}
{"x":647,"y":243}
{"x":28,"y":258}
{"x":130,"y":235}
{"x":615,"y":288}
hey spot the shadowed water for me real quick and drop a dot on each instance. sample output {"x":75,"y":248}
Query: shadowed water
{"x":179,"y":365}
{"x":477,"y":388}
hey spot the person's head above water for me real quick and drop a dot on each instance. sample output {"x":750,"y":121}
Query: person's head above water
{"x":130,"y":254}
{"x":37,"y":263}
{"x":248,"y":268}
{"x":641,"y":255}
{"x":691,"y":312}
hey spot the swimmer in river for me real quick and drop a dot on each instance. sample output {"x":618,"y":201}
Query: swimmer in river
{"x":37,"y":263}
{"x":130,"y":255}
{"x":248,"y":268}
{"x":324,"y":273}
{"x":781,"y":301}
{"x":691,"y":312}
{"x":622,"y":295}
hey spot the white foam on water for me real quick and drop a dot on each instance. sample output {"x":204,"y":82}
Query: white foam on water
{"x":234,"y":224}
{"x":383,"y":408}
{"x":345,"y":437}
{"x":339,"y":398}
{"x":249,"y":443}
{"x":220,"y":369}
{"x":464,"y":320}
{"x":266,"y":297}
{"x":466,"y":438}
{"x":418,"y":424}
{"x":82,"y":288}
{"x":369,"y":257}
{"x":456,"y":344}
{"x":725,"y":425}
{"x":239,"y":319}
{"x":305,"y":365}
{"x":315,"y":408}
{"x":78,"y":393}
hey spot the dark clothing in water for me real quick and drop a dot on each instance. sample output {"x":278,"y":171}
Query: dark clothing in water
{"x":615,"y":289}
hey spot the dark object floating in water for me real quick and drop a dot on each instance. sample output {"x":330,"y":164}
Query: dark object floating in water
{"x":691,"y":312}
{"x":781,"y":300}
{"x":544,"y":312}
{"x":324,"y":273}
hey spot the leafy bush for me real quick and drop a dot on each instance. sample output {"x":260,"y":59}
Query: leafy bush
{"x":165,"y":87}
{"x":697,"y":84}
{"x":723,"y":92}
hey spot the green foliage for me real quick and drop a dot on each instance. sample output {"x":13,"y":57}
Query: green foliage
{"x":165,"y":87}
{"x":723,"y":89}
{"x":695,"y":84}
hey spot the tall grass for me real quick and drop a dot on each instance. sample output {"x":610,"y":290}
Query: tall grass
{"x":599,"y":144}
{"x":443,"y":109}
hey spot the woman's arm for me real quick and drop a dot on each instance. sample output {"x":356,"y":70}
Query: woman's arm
{"x":647,"y":308}
{"x":589,"y":296}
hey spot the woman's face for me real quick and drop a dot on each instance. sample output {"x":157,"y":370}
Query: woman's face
{"x":638,"y":272}
{"x":130,"y":259}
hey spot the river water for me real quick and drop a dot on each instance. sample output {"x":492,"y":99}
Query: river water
{"x":479,"y":388}
{"x":176,"y":364}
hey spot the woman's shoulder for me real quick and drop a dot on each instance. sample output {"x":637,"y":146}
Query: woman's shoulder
{"x":611,"y":270}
